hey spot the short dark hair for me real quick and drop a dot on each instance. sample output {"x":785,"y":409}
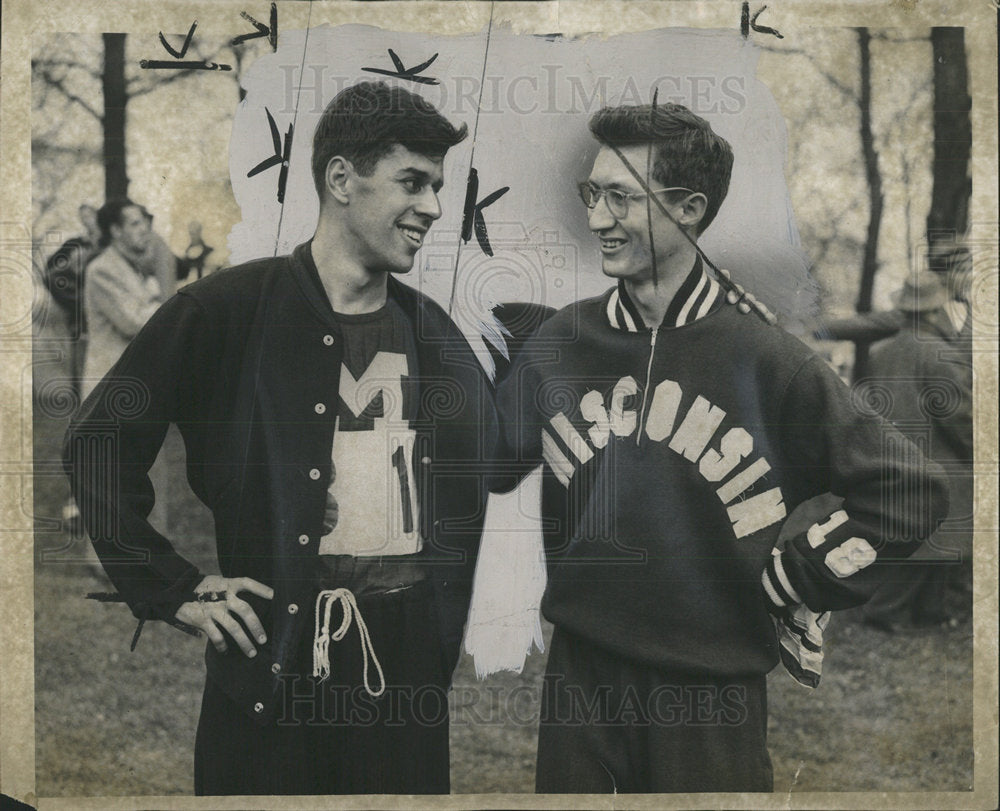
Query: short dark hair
{"x":687,"y":152}
{"x":365,"y":121}
{"x":111,"y":214}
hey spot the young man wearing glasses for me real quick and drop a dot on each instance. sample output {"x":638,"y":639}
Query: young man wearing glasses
{"x":677,"y":435}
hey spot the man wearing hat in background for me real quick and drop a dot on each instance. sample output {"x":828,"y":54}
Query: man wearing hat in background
{"x":926,"y":369}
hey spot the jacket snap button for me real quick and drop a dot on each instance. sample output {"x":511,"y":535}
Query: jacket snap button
{"x":328,"y":340}
{"x":425,"y":460}
{"x":275,"y":668}
{"x":303,"y":539}
{"x":258,"y":707}
{"x":293,"y":609}
{"x":320,"y":408}
{"x":314,"y":474}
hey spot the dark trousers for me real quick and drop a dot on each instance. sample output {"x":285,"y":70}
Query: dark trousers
{"x":333,"y":737}
{"x":911,"y":591}
{"x":612,"y":725}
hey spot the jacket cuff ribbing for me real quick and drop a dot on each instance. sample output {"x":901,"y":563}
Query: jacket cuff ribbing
{"x":781,"y":594}
{"x":165,"y":604}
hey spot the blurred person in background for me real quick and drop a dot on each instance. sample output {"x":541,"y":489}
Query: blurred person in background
{"x":926,"y":369}
{"x":64,"y":278}
{"x":195,"y":255}
{"x":158,"y":261}
{"x":122,"y":289}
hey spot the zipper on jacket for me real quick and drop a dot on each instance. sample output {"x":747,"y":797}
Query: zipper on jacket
{"x":645,"y":391}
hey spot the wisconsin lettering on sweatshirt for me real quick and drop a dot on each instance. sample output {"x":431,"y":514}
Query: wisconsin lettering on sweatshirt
{"x":725,"y":457}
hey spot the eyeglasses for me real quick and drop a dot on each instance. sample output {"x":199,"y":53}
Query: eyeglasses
{"x":616,"y":199}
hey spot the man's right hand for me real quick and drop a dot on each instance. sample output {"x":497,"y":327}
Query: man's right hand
{"x":211,"y":616}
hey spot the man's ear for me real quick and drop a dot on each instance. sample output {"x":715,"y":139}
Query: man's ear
{"x":693,"y":209}
{"x":338,"y":172}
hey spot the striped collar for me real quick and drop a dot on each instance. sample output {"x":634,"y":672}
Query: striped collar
{"x":697,"y":297}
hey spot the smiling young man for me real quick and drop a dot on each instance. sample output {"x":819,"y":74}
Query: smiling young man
{"x":677,"y":434}
{"x":347,"y":501}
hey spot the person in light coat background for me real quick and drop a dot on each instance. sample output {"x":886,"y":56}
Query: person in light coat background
{"x":119,"y":298}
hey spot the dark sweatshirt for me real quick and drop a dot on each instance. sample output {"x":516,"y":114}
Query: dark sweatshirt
{"x":672,"y":457}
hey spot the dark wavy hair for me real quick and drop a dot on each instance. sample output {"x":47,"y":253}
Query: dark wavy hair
{"x":365,"y":121}
{"x":111,"y":214}
{"x":687,"y":152}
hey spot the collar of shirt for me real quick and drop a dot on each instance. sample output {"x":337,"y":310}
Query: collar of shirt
{"x":698,"y":296}
{"x":415,"y":305}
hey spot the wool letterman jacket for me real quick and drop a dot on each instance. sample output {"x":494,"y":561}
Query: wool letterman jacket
{"x":671,"y":459}
{"x":246,"y":362}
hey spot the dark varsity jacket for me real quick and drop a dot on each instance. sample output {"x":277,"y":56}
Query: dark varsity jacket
{"x":671,"y":459}
{"x":246,"y":362}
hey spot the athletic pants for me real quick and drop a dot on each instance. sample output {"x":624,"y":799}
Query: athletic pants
{"x":612,"y":725}
{"x":333,"y":737}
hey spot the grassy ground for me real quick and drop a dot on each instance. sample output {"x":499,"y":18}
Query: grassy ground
{"x":893,"y":713}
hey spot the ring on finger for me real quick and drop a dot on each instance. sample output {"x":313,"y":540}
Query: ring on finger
{"x":212,"y":596}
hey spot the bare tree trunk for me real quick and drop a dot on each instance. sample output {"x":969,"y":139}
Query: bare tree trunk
{"x":949,"y":215}
{"x":869,"y":264}
{"x":115,"y":99}
{"x":238,"y":71}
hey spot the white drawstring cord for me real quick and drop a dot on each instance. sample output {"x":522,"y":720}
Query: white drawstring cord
{"x":322,"y":637}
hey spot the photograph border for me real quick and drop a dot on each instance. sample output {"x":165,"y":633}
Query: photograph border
{"x":217,"y":18}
